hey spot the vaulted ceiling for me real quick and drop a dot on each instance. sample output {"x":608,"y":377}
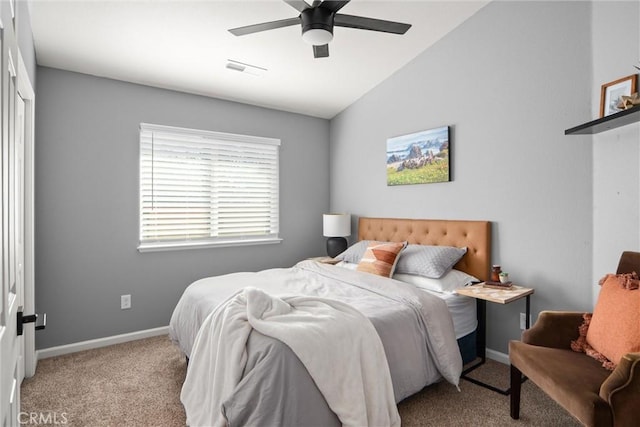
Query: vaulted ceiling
{"x":185,"y":45}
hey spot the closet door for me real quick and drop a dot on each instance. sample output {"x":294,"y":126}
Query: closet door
{"x":12,"y":252}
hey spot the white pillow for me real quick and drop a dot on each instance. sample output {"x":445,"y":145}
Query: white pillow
{"x":454,"y":279}
{"x":347,"y":265}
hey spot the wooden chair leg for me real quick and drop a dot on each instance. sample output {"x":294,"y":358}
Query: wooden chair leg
{"x":516,"y":381}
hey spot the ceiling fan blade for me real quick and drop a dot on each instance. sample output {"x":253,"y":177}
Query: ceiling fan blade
{"x":333,"y":6}
{"x":249,"y":29}
{"x":298,"y":5}
{"x":371,"y":24}
{"x":321,"y":51}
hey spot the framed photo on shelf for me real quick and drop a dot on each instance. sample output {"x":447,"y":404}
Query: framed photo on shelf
{"x":612,"y":92}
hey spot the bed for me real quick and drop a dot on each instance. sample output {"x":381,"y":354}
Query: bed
{"x":276,"y":388}
{"x":474,"y":235}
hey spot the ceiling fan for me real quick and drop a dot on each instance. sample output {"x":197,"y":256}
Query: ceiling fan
{"x":317,"y":21}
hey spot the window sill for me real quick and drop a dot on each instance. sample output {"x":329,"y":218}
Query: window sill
{"x":178,"y":246}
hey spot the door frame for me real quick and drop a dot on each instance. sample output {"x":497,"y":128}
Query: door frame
{"x":25,"y":90}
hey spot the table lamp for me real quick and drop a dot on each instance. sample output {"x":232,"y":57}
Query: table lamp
{"x":336,"y":227}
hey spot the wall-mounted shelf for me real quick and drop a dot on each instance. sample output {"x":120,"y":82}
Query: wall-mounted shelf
{"x":622,"y":118}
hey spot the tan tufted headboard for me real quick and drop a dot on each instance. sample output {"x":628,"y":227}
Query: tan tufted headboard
{"x":474,"y":235}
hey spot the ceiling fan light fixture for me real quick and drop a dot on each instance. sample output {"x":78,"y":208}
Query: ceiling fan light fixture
{"x":318,"y":18}
{"x":317,"y":25}
{"x":317,"y":36}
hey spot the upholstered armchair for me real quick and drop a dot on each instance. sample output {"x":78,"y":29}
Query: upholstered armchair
{"x":579,"y":383}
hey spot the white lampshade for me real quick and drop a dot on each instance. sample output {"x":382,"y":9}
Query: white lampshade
{"x":317,"y":36}
{"x":336,"y":225}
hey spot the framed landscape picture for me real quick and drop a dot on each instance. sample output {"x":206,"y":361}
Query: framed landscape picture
{"x":419,"y":158}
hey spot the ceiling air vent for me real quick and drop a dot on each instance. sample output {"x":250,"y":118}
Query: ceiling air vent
{"x":245,"y":68}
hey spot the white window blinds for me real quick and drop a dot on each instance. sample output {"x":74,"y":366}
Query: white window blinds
{"x":202,"y":188}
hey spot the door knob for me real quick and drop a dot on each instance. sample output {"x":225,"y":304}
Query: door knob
{"x":31,"y":318}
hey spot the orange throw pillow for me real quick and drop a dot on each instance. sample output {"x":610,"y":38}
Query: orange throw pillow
{"x":580,"y":345}
{"x":615,"y":326}
{"x":381,"y":258}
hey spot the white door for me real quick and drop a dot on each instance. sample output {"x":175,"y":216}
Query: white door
{"x":18,"y":220}
{"x":12,"y":191}
{"x":25,"y":111}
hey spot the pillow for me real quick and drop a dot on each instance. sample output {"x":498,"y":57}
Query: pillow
{"x":454,"y":279}
{"x":381,"y":258}
{"x":615,"y":325}
{"x":429,"y":261}
{"x":354,"y":253}
{"x":347,"y":265}
{"x":421,"y":260}
{"x":580,"y":345}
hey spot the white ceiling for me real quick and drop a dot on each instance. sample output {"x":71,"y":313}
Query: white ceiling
{"x":184,"y":45}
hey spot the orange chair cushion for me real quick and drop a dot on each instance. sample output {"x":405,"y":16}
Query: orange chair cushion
{"x":381,"y":258}
{"x":615,"y":325}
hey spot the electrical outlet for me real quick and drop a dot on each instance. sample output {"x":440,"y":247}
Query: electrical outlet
{"x":125,"y":302}
{"x":523,"y":321}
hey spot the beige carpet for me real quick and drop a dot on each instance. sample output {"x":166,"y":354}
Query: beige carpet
{"x":138,"y":384}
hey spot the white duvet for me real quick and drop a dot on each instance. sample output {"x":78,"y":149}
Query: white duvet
{"x":326,"y":335}
{"x":415,"y":327}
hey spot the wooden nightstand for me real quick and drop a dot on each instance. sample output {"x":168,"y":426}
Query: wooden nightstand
{"x":324,"y":260}
{"x":498,"y":296}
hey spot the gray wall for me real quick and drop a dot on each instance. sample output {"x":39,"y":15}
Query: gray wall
{"x":616,"y":153}
{"x":87,"y":202}
{"x":508,"y":81}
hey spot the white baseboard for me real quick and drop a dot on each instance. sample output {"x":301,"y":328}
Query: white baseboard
{"x":497,"y":356}
{"x":100,"y":342}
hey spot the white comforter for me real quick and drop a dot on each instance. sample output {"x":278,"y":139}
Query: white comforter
{"x":326,"y":335}
{"x":415,"y":328}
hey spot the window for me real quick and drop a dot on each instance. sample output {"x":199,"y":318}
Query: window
{"x":201,"y":188}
